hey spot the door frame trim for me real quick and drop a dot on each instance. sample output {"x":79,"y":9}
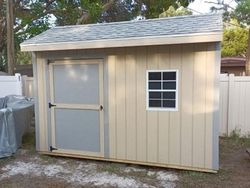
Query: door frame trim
{"x":100,"y":62}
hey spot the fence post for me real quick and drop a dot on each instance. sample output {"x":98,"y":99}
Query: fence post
{"x":18,"y":84}
{"x":231,"y":101}
{"x":24,"y":82}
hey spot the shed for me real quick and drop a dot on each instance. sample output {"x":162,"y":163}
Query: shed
{"x":144,"y":92}
{"x":233,"y":65}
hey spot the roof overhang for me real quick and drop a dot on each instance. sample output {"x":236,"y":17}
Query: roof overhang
{"x":125,"y":42}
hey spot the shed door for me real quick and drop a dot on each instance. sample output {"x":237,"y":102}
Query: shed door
{"x":76,"y":88}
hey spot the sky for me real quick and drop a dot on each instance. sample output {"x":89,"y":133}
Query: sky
{"x":201,"y":6}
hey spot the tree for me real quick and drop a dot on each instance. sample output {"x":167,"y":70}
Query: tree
{"x":35,"y":16}
{"x":2,"y":35}
{"x":242,"y":13}
{"x":10,"y":37}
{"x":172,"y":11}
{"x":234,"y":42}
{"x":152,"y":8}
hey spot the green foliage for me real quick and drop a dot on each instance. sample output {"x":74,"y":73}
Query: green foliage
{"x":80,"y":12}
{"x":234,"y":42}
{"x":172,"y":11}
{"x":152,"y":8}
{"x":32,"y":17}
{"x":242,"y":11}
{"x":23,"y":58}
{"x":235,"y":38}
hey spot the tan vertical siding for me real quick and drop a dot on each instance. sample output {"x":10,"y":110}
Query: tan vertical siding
{"x":199,"y":105}
{"x":152,"y":116}
{"x":112,"y":105}
{"x":175,"y":120}
{"x":210,"y":74}
{"x":179,"y":138}
{"x":176,"y":138}
{"x":131,"y":116}
{"x":163,"y":122}
{"x":121,"y":118}
{"x":141,"y":120}
{"x":187,"y":74}
{"x":42,"y":101}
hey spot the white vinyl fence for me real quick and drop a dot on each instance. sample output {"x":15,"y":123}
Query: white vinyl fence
{"x":27,"y":86}
{"x":16,"y":85}
{"x":10,"y":85}
{"x":234,"y":105}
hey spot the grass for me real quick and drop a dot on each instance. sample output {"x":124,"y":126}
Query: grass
{"x":29,"y":141}
{"x":6,"y":160}
{"x":49,"y":159}
{"x":114,"y":168}
{"x":117,"y":168}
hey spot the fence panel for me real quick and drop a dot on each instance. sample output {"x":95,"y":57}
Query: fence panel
{"x":28,"y":86}
{"x":10,"y":85}
{"x":16,"y":85}
{"x":223,"y":105}
{"x":234,"y":104}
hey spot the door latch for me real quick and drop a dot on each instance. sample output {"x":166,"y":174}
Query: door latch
{"x":101,"y":107}
{"x":51,"y":105}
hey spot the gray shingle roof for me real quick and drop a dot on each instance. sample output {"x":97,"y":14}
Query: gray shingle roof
{"x":182,"y":25}
{"x":173,"y":30}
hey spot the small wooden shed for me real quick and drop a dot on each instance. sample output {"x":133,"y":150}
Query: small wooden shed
{"x":144,"y":92}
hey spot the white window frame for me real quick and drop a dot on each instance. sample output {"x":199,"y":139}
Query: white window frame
{"x":176,"y":91}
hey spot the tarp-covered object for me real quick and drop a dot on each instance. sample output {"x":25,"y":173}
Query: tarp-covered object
{"x":15,"y":116}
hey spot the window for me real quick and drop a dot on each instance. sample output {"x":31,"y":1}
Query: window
{"x":162,"y":88}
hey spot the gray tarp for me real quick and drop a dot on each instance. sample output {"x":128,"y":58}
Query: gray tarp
{"x":16,"y":113}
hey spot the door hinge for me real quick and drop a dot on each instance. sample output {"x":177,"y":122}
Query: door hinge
{"x":52,"y":148}
{"x":51,"y":105}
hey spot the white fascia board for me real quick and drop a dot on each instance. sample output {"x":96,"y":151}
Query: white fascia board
{"x":125,"y":42}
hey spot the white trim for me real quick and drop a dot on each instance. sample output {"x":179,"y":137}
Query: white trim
{"x":126,"y":42}
{"x":176,"y":91}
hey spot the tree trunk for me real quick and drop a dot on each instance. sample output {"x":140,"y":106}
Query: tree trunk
{"x":10,"y":37}
{"x":248,"y":56}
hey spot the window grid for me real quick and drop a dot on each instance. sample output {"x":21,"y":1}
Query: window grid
{"x":162,"y":90}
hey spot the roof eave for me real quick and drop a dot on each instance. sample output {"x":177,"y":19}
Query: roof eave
{"x":126,"y":42}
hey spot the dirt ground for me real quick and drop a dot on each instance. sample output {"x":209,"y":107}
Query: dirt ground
{"x":234,"y":167}
{"x":29,"y":169}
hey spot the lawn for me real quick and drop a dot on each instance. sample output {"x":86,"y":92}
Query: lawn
{"x":29,"y":169}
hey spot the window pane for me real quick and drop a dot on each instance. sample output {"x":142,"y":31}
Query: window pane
{"x":154,"y":76}
{"x":169,"y":103}
{"x":168,"y":95}
{"x":169,"y":76}
{"x":155,"y":95}
{"x":169,"y":85}
{"x":154,"y":85}
{"x":154,"y":103}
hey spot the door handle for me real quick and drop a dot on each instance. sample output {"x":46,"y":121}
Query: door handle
{"x":101,"y":107}
{"x":51,"y":105}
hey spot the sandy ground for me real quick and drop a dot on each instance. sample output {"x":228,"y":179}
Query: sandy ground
{"x":33,"y":170}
